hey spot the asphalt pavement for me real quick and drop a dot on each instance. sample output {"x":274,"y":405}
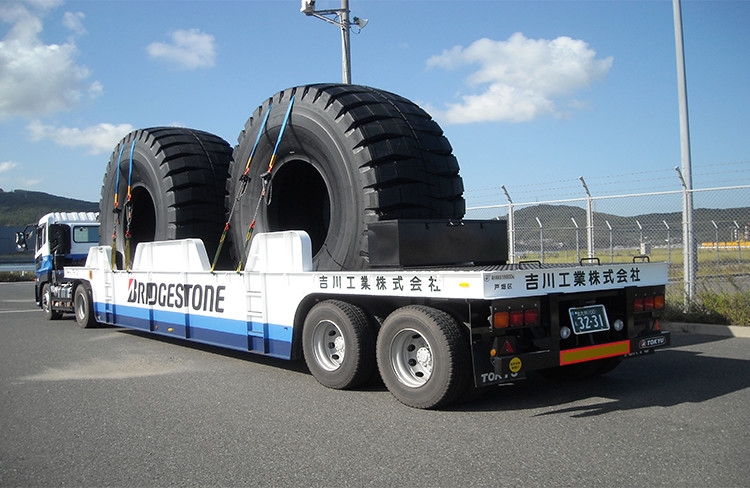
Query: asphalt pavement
{"x":113,"y":407}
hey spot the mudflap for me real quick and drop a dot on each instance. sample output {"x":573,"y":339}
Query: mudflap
{"x":648,"y":344}
{"x":492,"y":369}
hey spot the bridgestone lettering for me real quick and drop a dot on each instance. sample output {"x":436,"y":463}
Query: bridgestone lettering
{"x":201,"y":298}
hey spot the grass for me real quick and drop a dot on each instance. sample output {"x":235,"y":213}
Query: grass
{"x":712,"y":304}
{"x":13,"y":276}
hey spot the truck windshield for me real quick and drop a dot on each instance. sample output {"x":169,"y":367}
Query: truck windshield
{"x":85,"y":233}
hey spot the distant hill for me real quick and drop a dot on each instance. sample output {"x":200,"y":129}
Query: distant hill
{"x":21,"y":207}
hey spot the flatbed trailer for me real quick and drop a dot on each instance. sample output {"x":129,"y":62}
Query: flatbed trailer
{"x":435,"y":334}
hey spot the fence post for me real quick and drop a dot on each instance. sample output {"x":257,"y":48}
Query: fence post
{"x":739,"y":247}
{"x":640,"y":237}
{"x":578,"y":246}
{"x":589,"y":220}
{"x":669,"y":244}
{"x":611,"y":249}
{"x":511,"y":228}
{"x":541,"y":239}
{"x":716,"y":243}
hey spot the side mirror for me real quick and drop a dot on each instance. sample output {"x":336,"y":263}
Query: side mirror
{"x":23,"y":237}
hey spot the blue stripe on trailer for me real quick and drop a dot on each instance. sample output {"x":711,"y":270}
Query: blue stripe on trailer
{"x":267,"y":339}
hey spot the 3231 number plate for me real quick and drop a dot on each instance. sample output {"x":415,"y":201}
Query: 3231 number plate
{"x":585,"y":320}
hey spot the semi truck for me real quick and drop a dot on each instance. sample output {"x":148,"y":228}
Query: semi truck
{"x":60,"y":239}
{"x":333,"y":232}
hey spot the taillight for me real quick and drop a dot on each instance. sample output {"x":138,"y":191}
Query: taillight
{"x":500,"y":320}
{"x":531,"y":316}
{"x":648,"y":303}
{"x":515,"y":318}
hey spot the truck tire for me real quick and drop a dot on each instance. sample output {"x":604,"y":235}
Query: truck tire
{"x":349,"y":156}
{"x":338,"y":341}
{"x":423,"y":357}
{"x":46,"y":298}
{"x":178,"y":188}
{"x":83,"y":307}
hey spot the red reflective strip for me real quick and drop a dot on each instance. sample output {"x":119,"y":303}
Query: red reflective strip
{"x":590,"y":353}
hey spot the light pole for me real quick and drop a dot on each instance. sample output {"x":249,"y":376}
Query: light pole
{"x":690,"y":257}
{"x":331,"y":16}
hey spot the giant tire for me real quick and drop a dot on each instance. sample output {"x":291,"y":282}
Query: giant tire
{"x":178,"y":188}
{"x":350,"y":155}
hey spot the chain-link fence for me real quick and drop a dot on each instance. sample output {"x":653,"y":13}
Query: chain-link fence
{"x":620,"y":227}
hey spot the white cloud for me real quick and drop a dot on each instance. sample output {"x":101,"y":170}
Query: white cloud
{"x":98,"y":139}
{"x":188,"y":49}
{"x":73,"y":21}
{"x":39,"y":79}
{"x":6,"y":166}
{"x":518,"y":79}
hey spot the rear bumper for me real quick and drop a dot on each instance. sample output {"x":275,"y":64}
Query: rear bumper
{"x":513,"y":367}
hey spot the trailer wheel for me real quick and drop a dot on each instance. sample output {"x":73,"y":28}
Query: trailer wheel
{"x":178,"y":188}
{"x":338,"y":341}
{"x":83,"y":306}
{"x":423,"y":357}
{"x":349,"y":156}
{"x":49,"y":313}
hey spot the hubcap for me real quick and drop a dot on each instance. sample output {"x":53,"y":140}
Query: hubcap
{"x":411,"y":358}
{"x":328,"y":344}
{"x":80,"y":307}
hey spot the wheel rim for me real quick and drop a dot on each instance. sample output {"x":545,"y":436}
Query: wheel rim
{"x":46,"y":299}
{"x":328,"y":344}
{"x":80,"y":304}
{"x":411,"y":358}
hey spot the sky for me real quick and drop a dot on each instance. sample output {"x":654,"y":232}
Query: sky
{"x":531,"y":94}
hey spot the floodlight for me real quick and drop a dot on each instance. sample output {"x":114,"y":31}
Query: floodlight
{"x":361,"y":23}
{"x":308,"y":7}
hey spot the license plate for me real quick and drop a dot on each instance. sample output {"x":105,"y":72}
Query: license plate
{"x":585,"y":320}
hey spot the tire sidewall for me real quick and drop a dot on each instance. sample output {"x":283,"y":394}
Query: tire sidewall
{"x":432,"y":393}
{"x":46,"y":297}
{"x":146,"y":184}
{"x":342,"y":376}
{"x":312,"y":140}
{"x":85,"y":319}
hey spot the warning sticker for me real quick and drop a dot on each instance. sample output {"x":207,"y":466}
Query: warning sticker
{"x":515,"y":365}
